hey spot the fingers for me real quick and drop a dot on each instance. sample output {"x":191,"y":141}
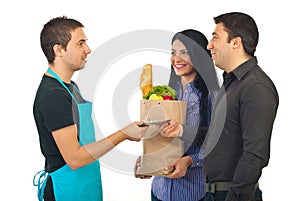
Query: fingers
{"x":173,"y":164}
{"x":168,"y":130}
{"x":175,"y":174}
{"x":134,"y":132}
{"x":141,"y":131}
{"x":143,"y":176}
{"x":137,"y":165}
{"x":165,"y":128}
{"x":180,"y":168}
{"x":173,"y":129}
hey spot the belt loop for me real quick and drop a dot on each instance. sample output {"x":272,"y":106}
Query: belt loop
{"x":211,"y":187}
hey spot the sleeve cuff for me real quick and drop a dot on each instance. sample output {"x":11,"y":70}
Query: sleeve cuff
{"x":197,"y":162}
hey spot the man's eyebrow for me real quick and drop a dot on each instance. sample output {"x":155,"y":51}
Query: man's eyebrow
{"x":82,"y":40}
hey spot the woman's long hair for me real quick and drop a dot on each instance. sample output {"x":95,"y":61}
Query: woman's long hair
{"x":207,"y":81}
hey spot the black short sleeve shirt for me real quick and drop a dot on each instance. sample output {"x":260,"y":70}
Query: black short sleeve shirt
{"x":53,"y":109}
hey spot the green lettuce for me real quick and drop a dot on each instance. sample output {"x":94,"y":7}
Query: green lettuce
{"x":161,"y":90}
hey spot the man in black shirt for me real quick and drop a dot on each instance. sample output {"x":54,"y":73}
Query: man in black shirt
{"x":237,"y":144}
{"x":234,"y":163}
{"x":63,"y":119}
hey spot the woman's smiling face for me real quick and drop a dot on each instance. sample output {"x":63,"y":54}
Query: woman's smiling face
{"x":181,"y":60}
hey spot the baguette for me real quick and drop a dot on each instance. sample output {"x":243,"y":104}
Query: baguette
{"x":146,"y":79}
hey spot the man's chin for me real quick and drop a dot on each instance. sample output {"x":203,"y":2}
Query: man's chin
{"x":79,"y":68}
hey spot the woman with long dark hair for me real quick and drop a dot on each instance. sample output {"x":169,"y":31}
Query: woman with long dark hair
{"x":194,"y":78}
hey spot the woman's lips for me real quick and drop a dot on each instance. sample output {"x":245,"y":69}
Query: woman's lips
{"x":179,"y":66}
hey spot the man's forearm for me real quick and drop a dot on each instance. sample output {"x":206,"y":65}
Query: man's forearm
{"x":246,"y":176}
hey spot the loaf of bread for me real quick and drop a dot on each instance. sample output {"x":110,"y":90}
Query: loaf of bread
{"x":146,"y":79}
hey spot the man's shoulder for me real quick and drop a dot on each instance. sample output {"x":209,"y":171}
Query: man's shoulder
{"x":256,"y":76}
{"x":256,"y":81}
{"x":250,"y":72}
{"x":49,"y":87}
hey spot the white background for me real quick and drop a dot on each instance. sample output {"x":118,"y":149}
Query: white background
{"x":23,"y":63}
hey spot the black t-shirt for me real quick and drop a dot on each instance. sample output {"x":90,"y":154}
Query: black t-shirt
{"x":53,"y":109}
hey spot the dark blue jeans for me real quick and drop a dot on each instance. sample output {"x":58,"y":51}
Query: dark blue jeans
{"x":153,"y":197}
{"x":221,"y":196}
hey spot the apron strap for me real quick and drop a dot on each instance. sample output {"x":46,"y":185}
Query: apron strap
{"x":63,"y":84}
{"x":41,"y":183}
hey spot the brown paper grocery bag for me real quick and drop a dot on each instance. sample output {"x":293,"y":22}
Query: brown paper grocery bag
{"x":159,"y":151}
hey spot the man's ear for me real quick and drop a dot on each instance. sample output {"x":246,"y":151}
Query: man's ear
{"x":57,"y":50}
{"x":237,"y":42}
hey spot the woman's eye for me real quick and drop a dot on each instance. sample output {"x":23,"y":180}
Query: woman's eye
{"x":180,"y":53}
{"x":185,"y":52}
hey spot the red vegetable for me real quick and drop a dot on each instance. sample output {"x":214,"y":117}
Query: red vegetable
{"x":167,"y":97}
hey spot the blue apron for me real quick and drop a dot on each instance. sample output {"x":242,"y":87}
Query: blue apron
{"x":83,"y":184}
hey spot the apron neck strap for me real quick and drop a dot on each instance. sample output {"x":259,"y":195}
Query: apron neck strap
{"x":62,"y":83}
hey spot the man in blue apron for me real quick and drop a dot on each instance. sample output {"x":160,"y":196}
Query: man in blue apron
{"x":64,"y":123}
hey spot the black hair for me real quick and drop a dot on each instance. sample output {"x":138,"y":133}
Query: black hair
{"x":240,"y":25}
{"x":206,"y":80}
{"x":57,"y":32}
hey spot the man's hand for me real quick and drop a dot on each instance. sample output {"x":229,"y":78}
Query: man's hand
{"x":134,"y":132}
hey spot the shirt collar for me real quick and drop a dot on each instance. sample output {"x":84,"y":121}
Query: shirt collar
{"x":190,"y":87}
{"x":192,"y":83}
{"x":243,"y":69}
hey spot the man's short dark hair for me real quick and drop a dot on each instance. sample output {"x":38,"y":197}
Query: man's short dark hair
{"x":57,"y":32}
{"x":240,"y":25}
